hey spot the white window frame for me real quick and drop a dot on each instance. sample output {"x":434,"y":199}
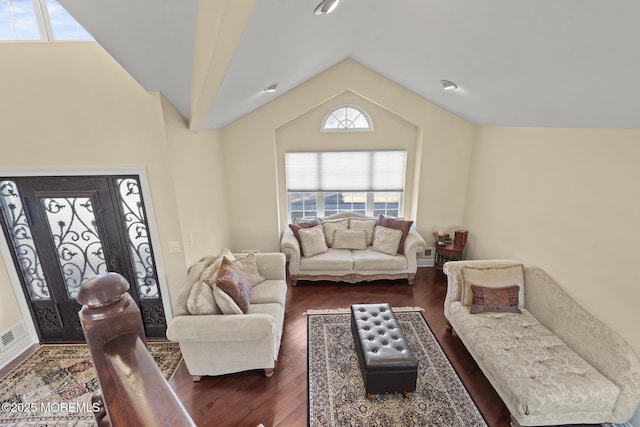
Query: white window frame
{"x":369,"y":128}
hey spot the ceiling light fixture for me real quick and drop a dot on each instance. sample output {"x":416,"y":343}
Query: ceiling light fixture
{"x":326,"y":6}
{"x":447,"y":85}
{"x":272,"y":88}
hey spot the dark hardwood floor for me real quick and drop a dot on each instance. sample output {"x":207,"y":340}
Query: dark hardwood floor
{"x":249,"y":398}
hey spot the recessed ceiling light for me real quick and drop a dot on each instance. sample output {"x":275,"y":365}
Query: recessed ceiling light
{"x":271,"y":88}
{"x":447,"y":85}
{"x":326,"y":6}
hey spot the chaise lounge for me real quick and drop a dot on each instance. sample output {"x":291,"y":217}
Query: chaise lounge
{"x":550,"y":361}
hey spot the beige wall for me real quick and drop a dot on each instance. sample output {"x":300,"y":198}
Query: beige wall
{"x":442,"y":148}
{"x":67,"y":106}
{"x":566,"y":200}
{"x":198,"y":176}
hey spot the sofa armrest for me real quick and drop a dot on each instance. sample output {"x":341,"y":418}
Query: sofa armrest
{"x":272,"y":265}
{"x":290,"y":246}
{"x":221,"y":327}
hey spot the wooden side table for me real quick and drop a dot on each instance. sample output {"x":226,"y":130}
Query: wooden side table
{"x":447,"y":253}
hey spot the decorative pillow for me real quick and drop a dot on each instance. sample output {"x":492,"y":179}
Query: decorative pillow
{"x":248,"y":266}
{"x":386,"y":240}
{"x":350,"y":239}
{"x":491,"y":277}
{"x":224,"y":302}
{"x":331,"y":226}
{"x":232,"y":282}
{"x":299,"y":224}
{"x":200,"y":300}
{"x":494,"y":300}
{"x":367,"y":224}
{"x":396,"y":224}
{"x":313,"y":241}
{"x":210,"y":273}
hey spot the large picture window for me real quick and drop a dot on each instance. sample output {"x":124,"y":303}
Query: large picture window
{"x":323,"y":183}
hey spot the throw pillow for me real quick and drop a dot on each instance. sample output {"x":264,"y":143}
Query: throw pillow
{"x":313,"y":241}
{"x":350,"y":239}
{"x":210,"y":273}
{"x":494,"y":300}
{"x":330,"y":227}
{"x":248,"y":266}
{"x":226,"y":304}
{"x":234,"y":283}
{"x":200,"y":300}
{"x":386,"y":240}
{"x":397,"y":224}
{"x":367,"y":224}
{"x":300,"y":224}
{"x":491,"y":277}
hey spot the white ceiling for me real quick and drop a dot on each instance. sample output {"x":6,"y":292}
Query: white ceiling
{"x":553,"y":63}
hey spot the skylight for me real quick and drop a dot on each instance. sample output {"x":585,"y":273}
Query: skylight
{"x":38,"y":20}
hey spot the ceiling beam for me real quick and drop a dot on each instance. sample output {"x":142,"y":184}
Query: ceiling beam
{"x":219,"y":28}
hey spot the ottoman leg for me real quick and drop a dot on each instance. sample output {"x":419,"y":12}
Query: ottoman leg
{"x":371,"y":396}
{"x":408,"y":394}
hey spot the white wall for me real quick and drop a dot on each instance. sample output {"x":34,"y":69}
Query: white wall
{"x":198,"y":177}
{"x":566,"y":200}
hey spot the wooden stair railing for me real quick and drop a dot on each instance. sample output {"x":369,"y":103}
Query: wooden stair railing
{"x":133,"y":389}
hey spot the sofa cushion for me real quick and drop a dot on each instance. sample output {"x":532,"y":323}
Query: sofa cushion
{"x":330,"y":226}
{"x":536,"y":372}
{"x":496,"y":300}
{"x":333,"y":259}
{"x":232,"y":282}
{"x":248,"y":266}
{"x":492,"y":277}
{"x":366,"y":260}
{"x":350,"y":239}
{"x":386,"y":240}
{"x":200,"y":300}
{"x":397,"y":224}
{"x":313,"y":241}
{"x":269,"y":291}
{"x":367,"y":224}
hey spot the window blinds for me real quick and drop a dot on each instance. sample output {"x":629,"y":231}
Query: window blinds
{"x":345,"y":171}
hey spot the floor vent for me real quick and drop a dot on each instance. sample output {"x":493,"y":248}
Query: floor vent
{"x":8,"y":338}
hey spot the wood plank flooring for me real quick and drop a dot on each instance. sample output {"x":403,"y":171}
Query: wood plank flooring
{"x":249,"y":398}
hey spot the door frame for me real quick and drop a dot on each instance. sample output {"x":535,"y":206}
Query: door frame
{"x":13,"y":274}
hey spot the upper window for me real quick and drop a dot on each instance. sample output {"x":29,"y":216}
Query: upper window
{"x":38,"y":20}
{"x":347,"y":118}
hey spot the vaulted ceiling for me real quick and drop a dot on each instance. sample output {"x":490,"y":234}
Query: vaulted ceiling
{"x":568,"y":63}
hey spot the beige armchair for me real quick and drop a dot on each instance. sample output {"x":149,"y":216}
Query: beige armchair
{"x":217,"y":344}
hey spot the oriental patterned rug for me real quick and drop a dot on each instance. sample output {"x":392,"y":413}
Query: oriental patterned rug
{"x":336,"y":395}
{"x":53,"y":387}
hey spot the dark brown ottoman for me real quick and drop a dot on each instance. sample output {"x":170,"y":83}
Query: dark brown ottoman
{"x":386,"y":362}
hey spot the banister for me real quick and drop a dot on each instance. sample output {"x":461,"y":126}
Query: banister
{"x":134,"y":390}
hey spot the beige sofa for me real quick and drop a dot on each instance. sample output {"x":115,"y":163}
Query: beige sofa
{"x":353,"y":265}
{"x":216,"y":343}
{"x":552,"y":364}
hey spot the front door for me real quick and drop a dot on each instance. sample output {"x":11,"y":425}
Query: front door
{"x":65,"y":230}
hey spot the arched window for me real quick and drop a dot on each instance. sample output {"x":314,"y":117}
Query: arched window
{"x":347,"y":118}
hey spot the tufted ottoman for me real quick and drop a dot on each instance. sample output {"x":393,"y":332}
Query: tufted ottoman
{"x":386,"y":362}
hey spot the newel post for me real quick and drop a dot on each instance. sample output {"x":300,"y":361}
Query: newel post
{"x":108,"y":312}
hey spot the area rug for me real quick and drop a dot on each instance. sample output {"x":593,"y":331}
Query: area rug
{"x":336,"y":395}
{"x":53,"y":387}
